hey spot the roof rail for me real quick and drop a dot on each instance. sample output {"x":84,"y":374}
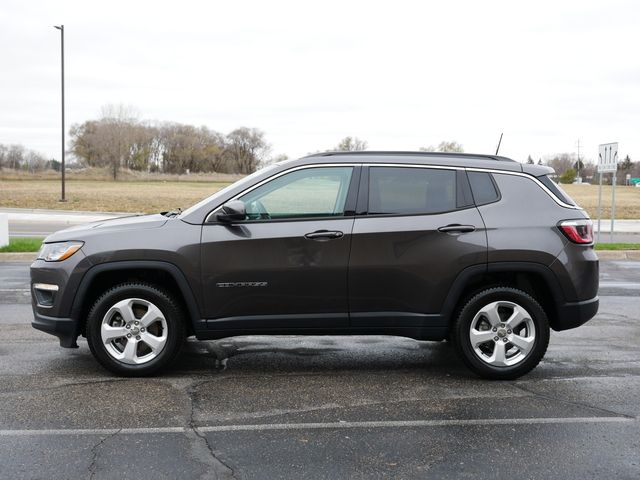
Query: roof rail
{"x":478,"y":156}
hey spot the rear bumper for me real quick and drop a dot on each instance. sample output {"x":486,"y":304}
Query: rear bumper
{"x":574,"y":314}
{"x":66,"y":329}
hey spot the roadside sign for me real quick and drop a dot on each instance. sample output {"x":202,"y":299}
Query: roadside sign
{"x":607,"y":163}
{"x":608,"y":158}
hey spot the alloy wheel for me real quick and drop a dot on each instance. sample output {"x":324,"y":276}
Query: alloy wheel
{"x":134,"y":331}
{"x":502,"y":334}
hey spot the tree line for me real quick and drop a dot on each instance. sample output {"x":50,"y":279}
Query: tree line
{"x":118,"y":139}
{"x":568,"y":167}
{"x":17,"y":157}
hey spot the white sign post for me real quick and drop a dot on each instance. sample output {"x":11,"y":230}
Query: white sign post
{"x":4,"y":229}
{"x":607,"y":162}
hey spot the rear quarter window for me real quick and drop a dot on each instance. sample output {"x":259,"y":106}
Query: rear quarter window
{"x":483,"y":187}
{"x":556,"y":190}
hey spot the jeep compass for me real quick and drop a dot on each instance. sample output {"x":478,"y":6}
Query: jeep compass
{"x":479,"y":250}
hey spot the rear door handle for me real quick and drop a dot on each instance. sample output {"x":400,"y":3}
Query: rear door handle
{"x":324,"y":235}
{"x":457,"y":228}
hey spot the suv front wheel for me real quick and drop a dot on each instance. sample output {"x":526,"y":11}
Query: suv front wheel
{"x":501,"y":333}
{"x":135,"y":329}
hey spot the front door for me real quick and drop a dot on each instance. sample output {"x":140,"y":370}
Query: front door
{"x":285,"y":266}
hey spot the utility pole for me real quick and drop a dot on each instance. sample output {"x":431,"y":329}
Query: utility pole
{"x":61,"y":28}
{"x":578,"y":159}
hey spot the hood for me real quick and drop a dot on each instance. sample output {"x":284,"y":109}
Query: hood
{"x":135,"y":222}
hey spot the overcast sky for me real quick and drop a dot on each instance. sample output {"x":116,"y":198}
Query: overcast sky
{"x":400,"y":75}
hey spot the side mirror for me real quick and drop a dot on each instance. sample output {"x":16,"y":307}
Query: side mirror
{"x":232,"y":211}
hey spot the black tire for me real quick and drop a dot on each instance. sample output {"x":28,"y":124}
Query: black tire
{"x":168,"y":306}
{"x":461,"y":334}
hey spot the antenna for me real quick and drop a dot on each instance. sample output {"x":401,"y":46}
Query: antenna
{"x":499,"y":142}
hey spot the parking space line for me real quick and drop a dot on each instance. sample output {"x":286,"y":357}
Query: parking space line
{"x":322,"y":426}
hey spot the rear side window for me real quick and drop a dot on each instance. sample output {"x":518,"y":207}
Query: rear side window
{"x":404,"y":190}
{"x":483,"y":188}
{"x":556,"y":190}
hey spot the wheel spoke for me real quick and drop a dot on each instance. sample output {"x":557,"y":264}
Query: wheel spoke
{"x":124,"y":308}
{"x":517,"y":317}
{"x":499,"y":355}
{"x":110,"y":333}
{"x":152,"y":315}
{"x":524,"y":344}
{"x":478,"y":337}
{"x":155,"y":343}
{"x":490,"y":312}
{"x":130,"y":350}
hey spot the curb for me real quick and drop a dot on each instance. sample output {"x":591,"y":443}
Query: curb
{"x":618,"y":254}
{"x":51,"y":211}
{"x":18,"y":257}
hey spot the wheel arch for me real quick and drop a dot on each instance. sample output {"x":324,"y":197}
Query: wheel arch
{"x":533,"y":278}
{"x":103,"y":276}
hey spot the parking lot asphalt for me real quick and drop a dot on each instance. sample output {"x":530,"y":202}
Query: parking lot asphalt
{"x":324,"y":407}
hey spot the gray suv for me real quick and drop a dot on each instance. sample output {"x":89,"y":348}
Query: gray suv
{"x":480,"y":250}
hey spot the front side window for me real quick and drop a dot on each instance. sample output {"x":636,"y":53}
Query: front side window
{"x":310,"y":192}
{"x":410,"y":191}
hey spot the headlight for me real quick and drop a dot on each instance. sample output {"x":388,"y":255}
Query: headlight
{"x":56,"y":252}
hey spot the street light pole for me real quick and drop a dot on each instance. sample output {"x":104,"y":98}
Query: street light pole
{"x":61,"y":28}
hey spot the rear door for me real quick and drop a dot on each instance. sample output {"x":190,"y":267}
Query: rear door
{"x":416,"y":229}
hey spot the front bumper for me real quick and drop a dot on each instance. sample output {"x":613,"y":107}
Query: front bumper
{"x":53,"y":314}
{"x":574,"y":314}
{"x":66,"y":329}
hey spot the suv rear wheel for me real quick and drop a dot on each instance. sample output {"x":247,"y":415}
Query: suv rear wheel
{"x":501,"y":333}
{"x":135,"y":329}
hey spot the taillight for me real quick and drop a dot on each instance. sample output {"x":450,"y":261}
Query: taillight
{"x":578,"y":231}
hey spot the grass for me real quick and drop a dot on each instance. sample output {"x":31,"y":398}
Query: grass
{"x":149,"y":193}
{"x":105,"y":174}
{"x":627,"y":200}
{"x":106,"y":196}
{"x":617,"y":246}
{"x":18,"y":245}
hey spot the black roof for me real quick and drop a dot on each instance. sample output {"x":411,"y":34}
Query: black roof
{"x":478,"y":156}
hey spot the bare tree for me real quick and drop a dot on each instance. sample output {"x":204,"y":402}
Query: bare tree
{"x":245,"y":149}
{"x":118,"y":134}
{"x":187,"y":148}
{"x":107,"y":141}
{"x":351,"y":144}
{"x":561,"y":162}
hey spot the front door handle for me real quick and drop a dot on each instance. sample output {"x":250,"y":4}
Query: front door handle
{"x":324,"y":235}
{"x":457,"y":228}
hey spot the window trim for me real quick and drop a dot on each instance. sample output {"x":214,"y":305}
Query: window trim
{"x":362,"y":208}
{"x":530,"y":177}
{"x":364,"y":166}
{"x":348,"y":206}
{"x":495,"y":186}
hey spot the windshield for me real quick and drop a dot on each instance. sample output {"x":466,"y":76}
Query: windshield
{"x":242,"y":181}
